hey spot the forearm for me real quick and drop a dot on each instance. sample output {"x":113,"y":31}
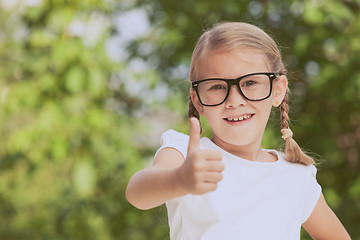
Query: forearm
{"x":152,"y":187}
{"x":324,"y":224}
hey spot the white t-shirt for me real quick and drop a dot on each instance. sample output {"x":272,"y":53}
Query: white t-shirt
{"x":254,"y":200}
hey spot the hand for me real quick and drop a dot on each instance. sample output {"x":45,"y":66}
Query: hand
{"x":202,"y":169}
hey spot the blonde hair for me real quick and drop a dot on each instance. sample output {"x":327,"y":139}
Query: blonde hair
{"x":231,"y":35}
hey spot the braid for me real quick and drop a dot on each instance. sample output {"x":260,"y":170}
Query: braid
{"x":293,"y":152}
{"x":284,"y":109}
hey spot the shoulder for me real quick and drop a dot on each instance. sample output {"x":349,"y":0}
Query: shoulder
{"x":172,"y":136}
{"x":297,"y":169}
{"x":175,"y":140}
{"x":309,"y":169}
{"x":173,"y":149}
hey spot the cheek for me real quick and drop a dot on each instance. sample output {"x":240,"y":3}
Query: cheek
{"x":265,"y":109}
{"x":211,"y":113}
{"x":213,"y":116}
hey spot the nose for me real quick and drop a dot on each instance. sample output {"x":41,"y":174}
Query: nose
{"x":235,"y":98}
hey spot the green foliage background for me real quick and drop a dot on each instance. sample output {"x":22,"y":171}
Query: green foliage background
{"x":73,"y":131}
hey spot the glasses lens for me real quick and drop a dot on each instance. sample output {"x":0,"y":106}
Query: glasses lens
{"x":255,"y":87}
{"x":212,"y":92}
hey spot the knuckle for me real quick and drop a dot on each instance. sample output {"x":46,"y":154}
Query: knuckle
{"x":213,"y":155}
{"x":213,"y":187}
{"x":198,"y":188}
{"x":219,"y":155}
{"x":219,"y":167}
{"x":217,"y":178}
{"x":216,"y":154}
{"x":222,"y":167}
{"x":197,"y":179}
{"x":197,"y":154}
{"x":220,"y":177}
{"x":197,"y":166}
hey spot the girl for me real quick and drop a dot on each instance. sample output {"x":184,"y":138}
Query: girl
{"x":228,"y":187}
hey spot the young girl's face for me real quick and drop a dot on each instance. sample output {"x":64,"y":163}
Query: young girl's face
{"x":228,"y":132}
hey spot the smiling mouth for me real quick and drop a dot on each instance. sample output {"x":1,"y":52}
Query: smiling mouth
{"x":238,"y":119}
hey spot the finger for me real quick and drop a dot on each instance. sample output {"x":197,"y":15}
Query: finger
{"x":213,"y":177}
{"x":206,"y":187}
{"x":211,"y":155}
{"x":210,"y":186}
{"x":215,"y":166}
{"x":194,"y":136}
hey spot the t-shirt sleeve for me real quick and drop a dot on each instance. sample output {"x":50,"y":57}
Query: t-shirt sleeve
{"x":176,"y":140}
{"x":312,"y":193}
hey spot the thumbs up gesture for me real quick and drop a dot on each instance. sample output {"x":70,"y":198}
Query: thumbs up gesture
{"x":202,"y":169}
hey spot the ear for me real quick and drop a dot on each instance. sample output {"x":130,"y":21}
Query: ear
{"x":279,"y":90}
{"x":194,"y":98}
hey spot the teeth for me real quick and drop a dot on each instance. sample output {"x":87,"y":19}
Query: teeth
{"x":244,"y":117}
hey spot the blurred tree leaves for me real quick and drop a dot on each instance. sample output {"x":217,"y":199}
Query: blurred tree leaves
{"x":67,"y":141}
{"x":75,"y":125}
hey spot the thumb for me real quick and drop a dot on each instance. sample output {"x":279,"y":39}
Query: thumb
{"x":194,"y":136}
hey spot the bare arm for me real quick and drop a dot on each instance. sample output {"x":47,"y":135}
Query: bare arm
{"x":323,"y":223}
{"x":172,"y":176}
{"x":153,"y":186}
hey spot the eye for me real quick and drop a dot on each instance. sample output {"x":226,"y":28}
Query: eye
{"x":213,"y":86}
{"x":248,"y":83}
{"x":217,"y":87}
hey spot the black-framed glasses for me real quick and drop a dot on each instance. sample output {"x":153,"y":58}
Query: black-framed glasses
{"x":253,"y":87}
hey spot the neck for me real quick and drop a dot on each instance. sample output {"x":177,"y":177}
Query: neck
{"x":251,"y":152}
